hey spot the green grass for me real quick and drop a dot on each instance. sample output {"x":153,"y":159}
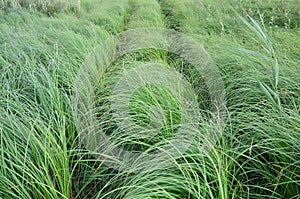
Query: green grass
{"x":45,"y":6}
{"x":144,"y":14}
{"x":255,"y":45}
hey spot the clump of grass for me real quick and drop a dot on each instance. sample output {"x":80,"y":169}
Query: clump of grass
{"x":34,"y":151}
{"x":151,"y":95}
{"x":173,"y":11}
{"x":39,"y":59}
{"x":144,"y":14}
{"x":206,"y":17}
{"x":110,"y":15}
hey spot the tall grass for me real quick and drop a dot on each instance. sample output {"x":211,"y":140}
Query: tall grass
{"x":42,"y":155}
{"x":39,"y":59}
{"x":251,"y":100}
{"x":144,"y":14}
{"x":46,"y":6}
{"x":110,"y":15}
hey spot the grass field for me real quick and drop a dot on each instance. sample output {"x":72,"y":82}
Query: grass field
{"x":255,"y":46}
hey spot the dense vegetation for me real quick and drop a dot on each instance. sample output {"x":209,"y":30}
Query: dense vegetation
{"x":256,"y":46}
